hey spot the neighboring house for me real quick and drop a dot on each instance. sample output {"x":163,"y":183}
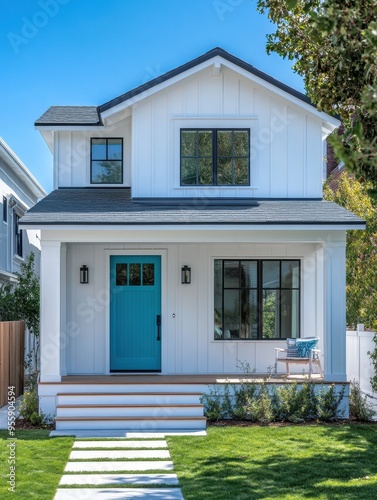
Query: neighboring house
{"x":186,"y":233}
{"x":19,"y":190}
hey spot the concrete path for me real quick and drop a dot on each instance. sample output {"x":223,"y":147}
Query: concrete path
{"x":97,"y":470}
{"x":4,"y":414}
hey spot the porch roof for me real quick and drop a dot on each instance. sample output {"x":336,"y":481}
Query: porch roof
{"x":114,"y":206}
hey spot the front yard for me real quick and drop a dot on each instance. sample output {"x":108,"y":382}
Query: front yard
{"x":243,"y":463}
{"x":286,"y":462}
{"x":39,"y":462}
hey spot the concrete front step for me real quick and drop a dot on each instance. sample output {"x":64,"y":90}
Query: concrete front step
{"x":117,"y":479}
{"x":124,"y":433}
{"x":118,"y":493}
{"x":122,"y":410}
{"x":128,"y":398}
{"x":131,"y":423}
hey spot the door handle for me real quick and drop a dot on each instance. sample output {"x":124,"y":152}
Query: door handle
{"x":158,"y":323}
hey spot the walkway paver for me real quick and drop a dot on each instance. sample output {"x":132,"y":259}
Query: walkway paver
{"x":108,"y":462}
{"x":109,"y":466}
{"x":118,"y":493}
{"x":117,"y":479}
{"x":121,"y":444}
{"x":115,"y":454}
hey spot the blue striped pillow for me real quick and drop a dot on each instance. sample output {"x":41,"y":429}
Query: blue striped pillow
{"x":292,"y":351}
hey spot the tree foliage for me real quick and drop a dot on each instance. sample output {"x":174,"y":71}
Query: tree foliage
{"x":20,"y":300}
{"x":333,"y":44}
{"x":361,"y":266}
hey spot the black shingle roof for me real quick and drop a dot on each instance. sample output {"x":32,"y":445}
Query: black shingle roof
{"x":70,"y":115}
{"x":195,"y":62}
{"x":114,"y":206}
{"x":89,"y":115}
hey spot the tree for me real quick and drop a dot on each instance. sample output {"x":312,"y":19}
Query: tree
{"x":361,"y":264}
{"x":334,"y":47}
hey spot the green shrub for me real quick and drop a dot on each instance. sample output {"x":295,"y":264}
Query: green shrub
{"x":297,"y":405}
{"x":213,"y":404}
{"x":29,"y":406}
{"x":328,"y":403}
{"x":360,"y":408}
{"x":263,"y":403}
{"x":260,"y":408}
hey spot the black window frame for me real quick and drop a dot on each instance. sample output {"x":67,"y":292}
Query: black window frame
{"x":18,"y":237}
{"x":5,"y":210}
{"x":105,"y":159}
{"x":215,"y":156}
{"x":260,"y":289}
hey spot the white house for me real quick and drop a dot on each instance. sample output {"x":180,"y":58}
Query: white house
{"x":19,"y":190}
{"x":186,"y":233}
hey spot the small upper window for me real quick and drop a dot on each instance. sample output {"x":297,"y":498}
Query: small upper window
{"x":106,"y":161}
{"x":215,"y":157}
{"x":5,"y":209}
{"x":18,"y":237}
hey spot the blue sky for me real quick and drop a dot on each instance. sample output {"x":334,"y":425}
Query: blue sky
{"x":86,"y":52}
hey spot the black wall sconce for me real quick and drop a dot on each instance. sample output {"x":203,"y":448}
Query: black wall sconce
{"x":84,"y":275}
{"x":186,"y":275}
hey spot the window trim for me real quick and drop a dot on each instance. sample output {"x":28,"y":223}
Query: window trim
{"x":215,"y":131}
{"x":259,"y":290}
{"x":91,"y":161}
{"x":5,"y":210}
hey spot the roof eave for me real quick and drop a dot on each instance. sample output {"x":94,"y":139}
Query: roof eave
{"x":20,"y":169}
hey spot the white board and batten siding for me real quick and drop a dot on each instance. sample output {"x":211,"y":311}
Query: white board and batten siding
{"x":286,"y":140}
{"x":72,"y":154}
{"x":285,"y":152}
{"x":188,"y":345}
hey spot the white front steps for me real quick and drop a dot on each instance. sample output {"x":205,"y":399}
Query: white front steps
{"x":144,"y":411}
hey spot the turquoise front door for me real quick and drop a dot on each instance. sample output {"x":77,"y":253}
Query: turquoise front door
{"x":135,"y":313}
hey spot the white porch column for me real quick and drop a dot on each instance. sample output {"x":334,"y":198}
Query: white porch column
{"x":50,"y":311}
{"x":335,"y":310}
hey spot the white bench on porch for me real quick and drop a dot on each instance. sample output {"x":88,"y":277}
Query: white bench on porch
{"x":300,"y":351}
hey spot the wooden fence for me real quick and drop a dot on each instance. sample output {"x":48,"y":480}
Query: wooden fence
{"x":12,"y":343}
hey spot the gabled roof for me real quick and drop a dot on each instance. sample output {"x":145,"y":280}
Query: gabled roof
{"x":112,"y":206}
{"x":91,"y":115}
{"x":195,"y":62}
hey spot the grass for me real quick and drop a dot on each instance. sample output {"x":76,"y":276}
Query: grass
{"x":244,"y":463}
{"x":40,"y":462}
{"x":291,"y":462}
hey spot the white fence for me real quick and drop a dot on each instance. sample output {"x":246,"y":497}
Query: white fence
{"x":359,"y":365}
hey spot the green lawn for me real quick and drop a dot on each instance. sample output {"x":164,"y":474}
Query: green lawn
{"x":40,"y":462}
{"x":293,"y":462}
{"x":231,"y":463}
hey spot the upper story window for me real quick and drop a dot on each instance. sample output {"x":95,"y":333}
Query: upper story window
{"x":215,"y":157}
{"x":106,"y":161}
{"x":18,"y":236}
{"x":5,"y":209}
